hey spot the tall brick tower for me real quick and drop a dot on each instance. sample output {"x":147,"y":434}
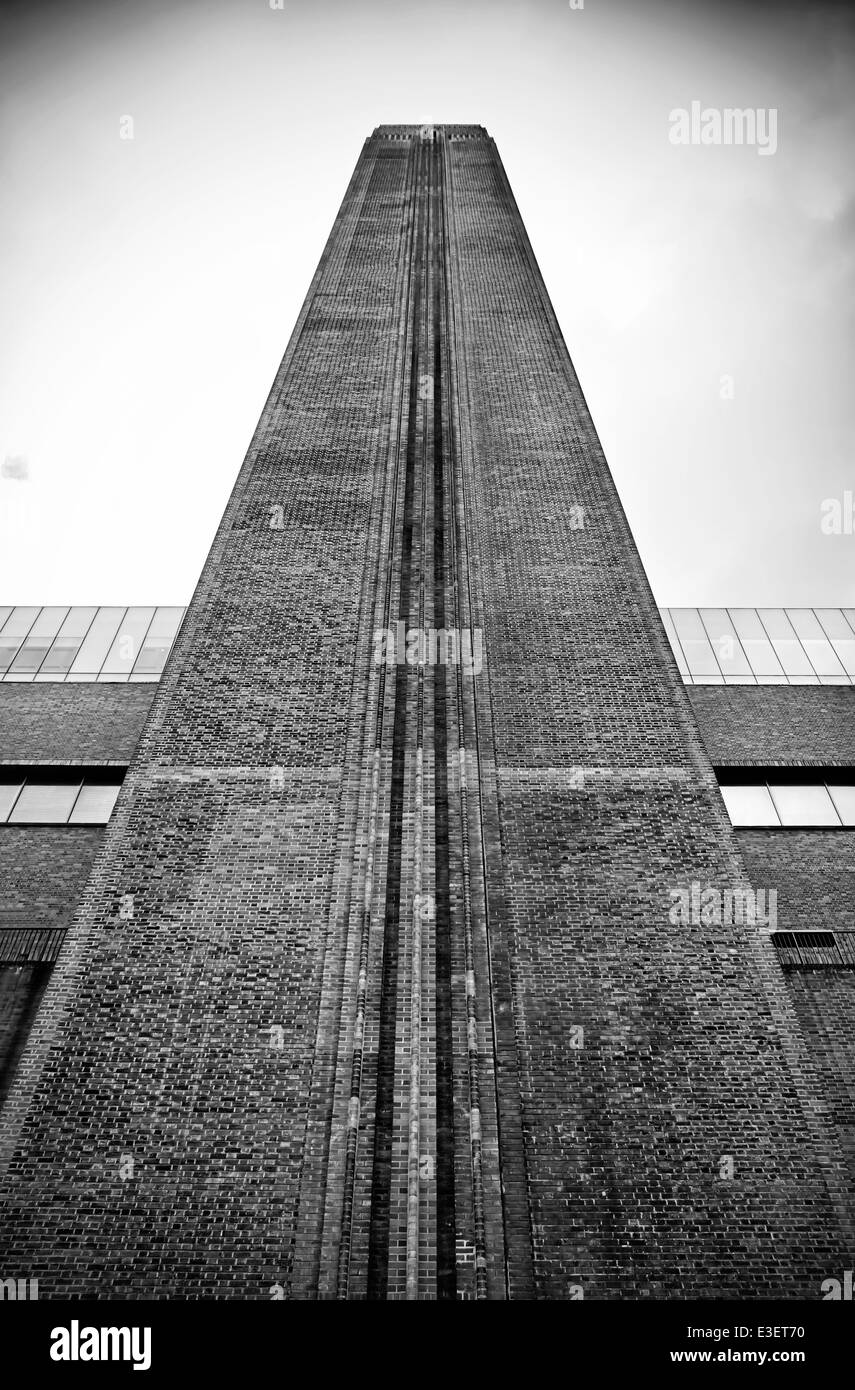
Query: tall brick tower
{"x":376,"y":989}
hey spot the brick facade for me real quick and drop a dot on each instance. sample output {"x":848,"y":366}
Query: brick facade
{"x":44,"y":869}
{"x":812,"y":871}
{"x":43,"y":872}
{"x":74,"y":722}
{"x":375,"y":990}
{"x":769,"y":724}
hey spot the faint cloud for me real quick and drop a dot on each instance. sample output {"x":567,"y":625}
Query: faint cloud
{"x":15,"y":466}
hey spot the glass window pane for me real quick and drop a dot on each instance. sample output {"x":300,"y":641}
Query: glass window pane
{"x":776,"y":624}
{"x":822,"y":657}
{"x":96,"y":644}
{"x":39,"y":638}
{"x":4,"y":613}
{"x":67,"y":642}
{"x":844,"y":800}
{"x":700,"y":656}
{"x":8,"y":650}
{"x":756,"y":644}
{"x":687,"y":622}
{"x":815,"y":642}
{"x":128,"y":640}
{"x":671,"y":632}
{"x":95,"y":803}
{"x":695,"y":643}
{"x":840,"y":635}
{"x":8,"y":793}
{"x":805,"y":622}
{"x":45,"y":803}
{"x":158,"y":641}
{"x":15,"y":629}
{"x":20,"y":621}
{"x":788,"y":648}
{"x":749,"y":805}
{"x":725,"y":643}
{"x":803,"y":805}
{"x":833,"y":622}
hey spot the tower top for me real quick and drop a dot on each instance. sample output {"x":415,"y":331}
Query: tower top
{"x":429,"y":132}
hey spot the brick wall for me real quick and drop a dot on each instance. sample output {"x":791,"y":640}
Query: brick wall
{"x":813,"y":871}
{"x":68,"y":721}
{"x":21,"y":988}
{"x":824,"y":999}
{"x":43,"y":871}
{"x":776,"y":723}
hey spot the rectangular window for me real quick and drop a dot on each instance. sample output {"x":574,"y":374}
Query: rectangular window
{"x":15,"y":629}
{"x":815,"y":642}
{"x":126,"y":644}
{"x":158,"y":641}
{"x":97,"y":643}
{"x":788,"y":648}
{"x":8,"y":796}
{"x":32,"y":652}
{"x":802,"y":804}
{"x":725,"y":642}
{"x":844,"y":801}
{"x":58,"y":796}
{"x":67,"y":643}
{"x":675,"y":645}
{"x":44,"y":803}
{"x":94,"y":805}
{"x":757,"y":646}
{"x":696,"y":647}
{"x":749,"y":805}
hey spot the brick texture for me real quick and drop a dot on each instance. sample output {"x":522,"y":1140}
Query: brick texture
{"x":21,"y":988}
{"x":374,"y":991}
{"x":824,"y":1000}
{"x":43,"y":872}
{"x":768,"y":724}
{"x":58,"y":721}
{"x":812,"y":871}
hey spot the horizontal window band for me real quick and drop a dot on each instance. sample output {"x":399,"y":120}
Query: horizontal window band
{"x":60,"y":773}
{"x":22,"y":945}
{"x":804,"y":938}
{"x":814,"y":774}
{"x":824,"y":829}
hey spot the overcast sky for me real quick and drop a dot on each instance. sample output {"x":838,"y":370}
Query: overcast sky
{"x":148,"y":286}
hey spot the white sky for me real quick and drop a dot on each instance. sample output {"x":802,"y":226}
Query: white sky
{"x":148,"y":286}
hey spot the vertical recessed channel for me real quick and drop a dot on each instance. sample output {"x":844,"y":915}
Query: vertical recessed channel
{"x":445,"y":1222}
{"x":381,"y":1181}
